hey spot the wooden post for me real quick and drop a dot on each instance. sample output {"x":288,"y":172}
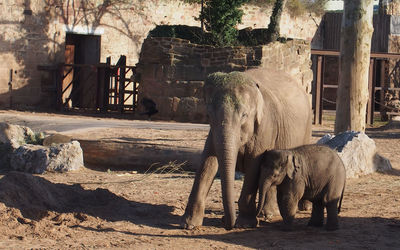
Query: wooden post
{"x":371,"y":91}
{"x":382,"y":83}
{"x":106,"y":89}
{"x":318,"y":92}
{"x":122,"y":78}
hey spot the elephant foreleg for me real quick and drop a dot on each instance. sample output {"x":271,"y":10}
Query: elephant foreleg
{"x":247,"y":199}
{"x":288,"y":208}
{"x":194,"y":212}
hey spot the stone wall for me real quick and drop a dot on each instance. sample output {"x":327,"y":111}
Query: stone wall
{"x":33,"y":32}
{"x":172,"y":71}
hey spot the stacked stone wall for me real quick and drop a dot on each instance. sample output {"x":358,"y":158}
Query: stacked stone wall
{"x":172,"y":71}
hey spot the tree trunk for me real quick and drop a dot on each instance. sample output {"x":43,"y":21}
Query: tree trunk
{"x":355,"y":50}
{"x":275,"y":19}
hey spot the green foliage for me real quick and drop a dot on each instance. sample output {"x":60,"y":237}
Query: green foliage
{"x":191,"y":33}
{"x":252,"y":37}
{"x":35,"y":138}
{"x":220,"y":19}
{"x":246,"y":37}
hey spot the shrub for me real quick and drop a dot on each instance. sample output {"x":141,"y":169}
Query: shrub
{"x":191,"y":33}
{"x":220,"y":19}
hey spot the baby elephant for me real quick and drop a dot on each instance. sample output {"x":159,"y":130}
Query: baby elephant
{"x":312,"y":172}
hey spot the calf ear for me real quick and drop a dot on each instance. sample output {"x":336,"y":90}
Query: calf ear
{"x":289,"y":166}
{"x":292,"y":165}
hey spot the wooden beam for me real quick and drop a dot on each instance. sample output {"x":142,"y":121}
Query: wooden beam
{"x":371,"y":92}
{"x":373,"y":55}
{"x":319,"y":91}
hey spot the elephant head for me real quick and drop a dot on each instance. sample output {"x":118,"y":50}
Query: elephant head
{"x":235,"y":110}
{"x":275,"y":167}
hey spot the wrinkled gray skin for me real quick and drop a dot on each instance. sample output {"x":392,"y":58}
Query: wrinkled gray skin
{"x":312,"y":172}
{"x":248,"y":113}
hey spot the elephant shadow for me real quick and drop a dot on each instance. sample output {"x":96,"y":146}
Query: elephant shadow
{"x":354,"y":233}
{"x":35,"y":197}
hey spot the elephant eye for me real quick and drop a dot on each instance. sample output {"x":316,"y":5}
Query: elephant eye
{"x":244,"y":116}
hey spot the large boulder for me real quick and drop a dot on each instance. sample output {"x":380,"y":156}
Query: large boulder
{"x":21,"y":149}
{"x":37,"y":159}
{"x":358,"y":153}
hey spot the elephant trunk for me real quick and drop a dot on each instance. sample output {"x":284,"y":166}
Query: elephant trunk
{"x":263,"y":188}
{"x":227,"y":156}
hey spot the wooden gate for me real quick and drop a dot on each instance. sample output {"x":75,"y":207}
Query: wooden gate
{"x":102,"y":87}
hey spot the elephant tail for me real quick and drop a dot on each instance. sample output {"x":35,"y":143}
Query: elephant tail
{"x":340,"y":201}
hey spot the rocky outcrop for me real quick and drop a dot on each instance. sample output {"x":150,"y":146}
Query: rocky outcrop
{"x":358,"y":153}
{"x":20,"y":151}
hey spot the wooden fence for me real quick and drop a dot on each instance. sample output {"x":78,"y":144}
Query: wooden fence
{"x":378,"y":83}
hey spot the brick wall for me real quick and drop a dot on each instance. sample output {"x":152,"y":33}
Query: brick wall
{"x":172,"y":71}
{"x":33,"y":32}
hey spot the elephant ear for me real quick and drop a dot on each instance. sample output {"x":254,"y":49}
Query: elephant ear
{"x":260,"y":106}
{"x":293,"y":164}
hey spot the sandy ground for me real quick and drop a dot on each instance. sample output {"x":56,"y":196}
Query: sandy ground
{"x":127,"y":209}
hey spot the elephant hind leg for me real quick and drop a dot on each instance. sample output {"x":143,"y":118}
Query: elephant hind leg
{"x":332,"y":222}
{"x":317,"y":214}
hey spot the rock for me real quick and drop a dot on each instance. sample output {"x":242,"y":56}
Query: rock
{"x":21,"y":149}
{"x":66,"y":157}
{"x":14,"y":135}
{"x":30,"y":158}
{"x":358,"y":153}
{"x":38,"y":159}
{"x":56,"y":139}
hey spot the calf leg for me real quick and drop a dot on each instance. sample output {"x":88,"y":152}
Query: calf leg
{"x":288,"y":208}
{"x":317,"y":214}
{"x":332,"y":222}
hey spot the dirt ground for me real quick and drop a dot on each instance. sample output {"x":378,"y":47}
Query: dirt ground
{"x":127,"y":209}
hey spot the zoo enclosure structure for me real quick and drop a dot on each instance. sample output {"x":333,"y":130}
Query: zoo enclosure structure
{"x":101,"y":86}
{"x":383,"y":79}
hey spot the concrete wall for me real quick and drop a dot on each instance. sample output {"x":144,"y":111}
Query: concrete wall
{"x":172,"y":71}
{"x":33,"y":32}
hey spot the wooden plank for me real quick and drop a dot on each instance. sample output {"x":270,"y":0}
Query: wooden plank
{"x":330,"y":86}
{"x":122,"y":75}
{"x":381,"y":84}
{"x":373,"y":55}
{"x":371,"y":99}
{"x":318,"y":92}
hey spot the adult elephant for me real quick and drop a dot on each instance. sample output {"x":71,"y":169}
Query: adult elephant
{"x":249,"y":112}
